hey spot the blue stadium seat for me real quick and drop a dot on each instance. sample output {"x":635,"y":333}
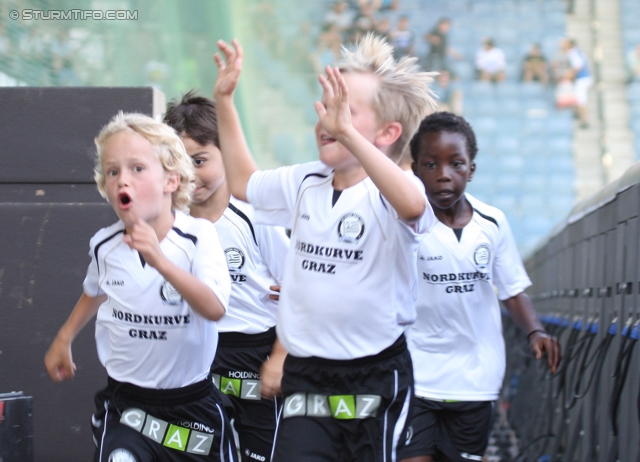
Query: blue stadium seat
{"x":507,"y":203}
{"x":559,"y":125}
{"x":507,"y":145}
{"x":633,"y":92}
{"x":512,"y":164}
{"x":486,"y":145}
{"x":510,"y":125}
{"x":482,"y":89}
{"x":510,"y":107}
{"x":534,"y":147}
{"x":532,"y":204}
{"x":484,"y":125}
{"x":508,"y":184}
{"x":533,"y":184}
{"x":562,"y":165}
{"x":561,"y":185}
{"x":559,"y":145}
{"x":532,"y":89}
{"x":535,"y":165}
{"x":534,"y":126}
{"x":508,"y":90}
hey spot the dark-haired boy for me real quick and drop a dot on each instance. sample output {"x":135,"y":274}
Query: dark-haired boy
{"x":255,"y":257}
{"x":456,"y":342}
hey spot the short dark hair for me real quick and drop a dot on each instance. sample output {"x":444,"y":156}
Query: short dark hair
{"x":444,"y":122}
{"x":195,"y":116}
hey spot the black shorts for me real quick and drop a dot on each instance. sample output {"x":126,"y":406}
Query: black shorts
{"x":339,"y":411}
{"x":134,"y":424}
{"x":459,"y":430}
{"x":236,"y":372}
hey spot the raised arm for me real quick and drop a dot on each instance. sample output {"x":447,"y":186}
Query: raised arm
{"x":524,"y":315}
{"x":237,"y":159}
{"x":58,"y":360}
{"x":196,"y":293}
{"x":335,"y":117}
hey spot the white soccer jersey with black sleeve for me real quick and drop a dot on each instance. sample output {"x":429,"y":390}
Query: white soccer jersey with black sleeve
{"x":146,"y":334}
{"x":255,"y":256}
{"x":347,"y":286}
{"x":456,"y":342}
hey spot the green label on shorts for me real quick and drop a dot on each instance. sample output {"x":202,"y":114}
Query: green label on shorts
{"x":342,"y":406}
{"x":177,"y":437}
{"x":230,"y":386}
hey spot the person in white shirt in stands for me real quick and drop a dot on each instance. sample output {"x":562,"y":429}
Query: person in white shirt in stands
{"x":255,"y":256}
{"x":490,"y":62}
{"x":456,"y":342}
{"x":157,"y":281}
{"x":355,"y":218}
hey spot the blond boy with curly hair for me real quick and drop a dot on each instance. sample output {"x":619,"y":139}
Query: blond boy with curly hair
{"x":157,"y":281}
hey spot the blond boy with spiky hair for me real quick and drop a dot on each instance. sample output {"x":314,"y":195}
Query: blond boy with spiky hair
{"x":355,"y":218}
{"x":157,"y":281}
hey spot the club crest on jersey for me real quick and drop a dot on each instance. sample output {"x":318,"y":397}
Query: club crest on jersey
{"x":235,"y":259}
{"x":350,"y":228}
{"x":169,"y":294}
{"x":481,"y":256}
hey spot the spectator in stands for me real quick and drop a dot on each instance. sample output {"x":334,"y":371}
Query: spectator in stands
{"x":438,"y":56}
{"x":582,"y":79}
{"x":365,"y":22}
{"x":328,"y":50}
{"x":401,"y":38}
{"x":381,"y":5}
{"x":534,"y":67}
{"x":490,"y":62}
{"x":383,"y":29}
{"x":342,"y":16}
{"x":448,"y":92}
{"x":633,"y":64}
{"x":560,"y":64}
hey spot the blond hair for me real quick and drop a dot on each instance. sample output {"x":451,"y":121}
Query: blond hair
{"x":403,"y":92}
{"x":164,"y":141}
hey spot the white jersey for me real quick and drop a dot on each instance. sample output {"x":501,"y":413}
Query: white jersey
{"x":255,"y":256}
{"x":456,"y":342}
{"x":146,"y":334}
{"x":347,"y":286}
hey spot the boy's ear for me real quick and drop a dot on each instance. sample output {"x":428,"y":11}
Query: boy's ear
{"x":171,"y":182}
{"x":389,"y":134}
{"x":414,"y":167}
{"x":472,"y":170}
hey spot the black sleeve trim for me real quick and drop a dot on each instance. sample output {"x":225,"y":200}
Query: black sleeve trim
{"x":191,"y":237}
{"x":487,"y":217}
{"x":383,"y":201}
{"x":239,"y":212}
{"x":97,"y":247}
{"x":308,"y":175}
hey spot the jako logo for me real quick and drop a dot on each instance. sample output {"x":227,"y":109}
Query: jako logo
{"x":253,"y":455}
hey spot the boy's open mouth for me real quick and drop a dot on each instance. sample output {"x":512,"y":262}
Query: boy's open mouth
{"x":124,"y":199}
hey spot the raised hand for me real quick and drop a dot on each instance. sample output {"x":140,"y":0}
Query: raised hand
{"x":333,"y":112}
{"x":229,"y":68}
{"x":143,"y":238}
